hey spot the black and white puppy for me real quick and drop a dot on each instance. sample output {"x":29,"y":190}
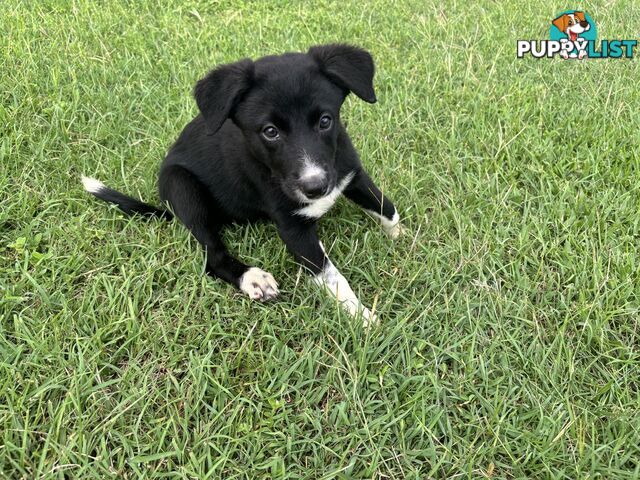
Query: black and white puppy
{"x":269,"y":145}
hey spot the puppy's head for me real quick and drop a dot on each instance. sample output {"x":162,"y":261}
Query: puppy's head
{"x":572,"y":24}
{"x":288,"y":108}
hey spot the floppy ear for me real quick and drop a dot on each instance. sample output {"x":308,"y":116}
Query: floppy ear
{"x":580,"y":16}
{"x":562,"y":22}
{"x":219,"y":92}
{"x":348,"y":67}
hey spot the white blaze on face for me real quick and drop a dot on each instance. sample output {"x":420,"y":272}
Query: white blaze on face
{"x":310,"y":169}
{"x":333,"y":281}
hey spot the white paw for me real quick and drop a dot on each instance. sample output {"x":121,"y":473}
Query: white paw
{"x":395,"y":231}
{"x":258,"y":284}
{"x":393,"y":228}
{"x":369,"y":319}
{"x":357,"y":310}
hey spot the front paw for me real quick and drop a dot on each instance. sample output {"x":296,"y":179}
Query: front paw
{"x":393,"y":228}
{"x":395,"y":231}
{"x":259,"y":285}
{"x":369,"y":319}
{"x":358,"y":311}
{"x":335,"y":284}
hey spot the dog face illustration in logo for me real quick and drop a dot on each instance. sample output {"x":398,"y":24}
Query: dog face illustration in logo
{"x":572,"y":25}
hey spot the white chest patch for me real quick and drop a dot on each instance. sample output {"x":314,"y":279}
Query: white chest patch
{"x":320,"y":206}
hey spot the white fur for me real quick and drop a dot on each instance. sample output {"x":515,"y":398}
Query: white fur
{"x":258,"y":284}
{"x":392,"y":227}
{"x":310,"y":169}
{"x":333,"y":281}
{"x":576,"y":27}
{"x":92,"y":185}
{"x":317,"y":208}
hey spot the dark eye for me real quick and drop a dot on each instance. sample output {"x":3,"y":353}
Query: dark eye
{"x":270,"y":132}
{"x":325,"y":122}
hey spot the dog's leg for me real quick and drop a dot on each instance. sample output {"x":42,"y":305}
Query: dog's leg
{"x":194,"y":206}
{"x":302,"y":241}
{"x":365,"y":193}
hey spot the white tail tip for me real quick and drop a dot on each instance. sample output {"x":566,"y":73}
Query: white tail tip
{"x":92,"y":185}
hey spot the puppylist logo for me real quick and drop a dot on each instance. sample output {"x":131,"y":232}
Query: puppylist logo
{"x":573,"y":36}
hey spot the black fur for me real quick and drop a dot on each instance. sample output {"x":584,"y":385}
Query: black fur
{"x":130,"y":205}
{"x":225,"y":167}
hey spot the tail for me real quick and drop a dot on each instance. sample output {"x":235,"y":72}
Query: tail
{"x":127,"y":204}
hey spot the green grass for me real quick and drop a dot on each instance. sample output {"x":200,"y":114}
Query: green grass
{"x":509,"y":344}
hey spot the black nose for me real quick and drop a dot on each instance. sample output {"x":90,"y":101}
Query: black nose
{"x":313,"y":187}
{"x":584,"y":24}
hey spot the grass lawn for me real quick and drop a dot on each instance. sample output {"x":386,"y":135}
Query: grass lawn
{"x":509,"y":343}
